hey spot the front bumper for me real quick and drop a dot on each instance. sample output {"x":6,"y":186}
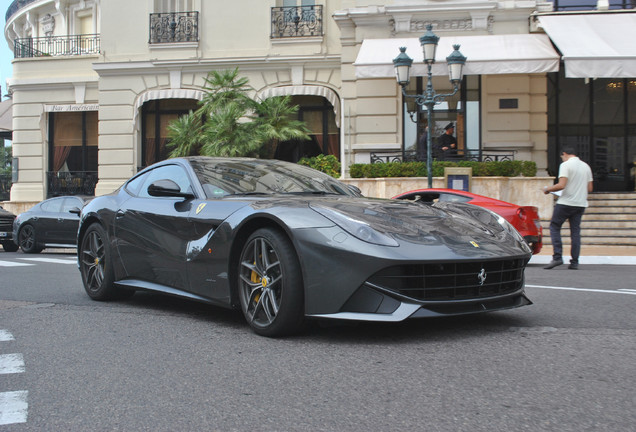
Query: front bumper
{"x":371,"y":304}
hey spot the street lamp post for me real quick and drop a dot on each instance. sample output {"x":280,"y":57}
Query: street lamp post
{"x":402,"y":64}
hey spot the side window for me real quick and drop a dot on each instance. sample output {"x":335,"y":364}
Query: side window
{"x":134,"y":185}
{"x":53,"y":206}
{"x":453,"y":198}
{"x":70,"y":203}
{"x":169,"y":172}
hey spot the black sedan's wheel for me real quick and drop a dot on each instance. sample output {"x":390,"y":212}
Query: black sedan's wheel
{"x":9,"y":246}
{"x":270,"y":284}
{"x":26,"y":240}
{"x":96,"y":266}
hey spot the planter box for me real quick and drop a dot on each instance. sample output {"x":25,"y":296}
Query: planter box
{"x":517,"y":190}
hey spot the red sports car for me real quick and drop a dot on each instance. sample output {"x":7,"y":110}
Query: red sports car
{"x":524,"y":218}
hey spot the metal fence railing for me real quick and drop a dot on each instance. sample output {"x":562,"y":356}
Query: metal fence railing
{"x":490,"y":155}
{"x":5,"y":187}
{"x":72,"y":45}
{"x":296,"y":21}
{"x":172,"y":27}
{"x":71,"y":183}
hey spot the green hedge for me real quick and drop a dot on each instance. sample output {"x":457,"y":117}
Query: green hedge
{"x":418,"y":169}
{"x":328,"y":164}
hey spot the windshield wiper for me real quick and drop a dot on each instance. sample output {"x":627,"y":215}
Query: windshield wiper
{"x":250,"y":193}
{"x":312,"y":193}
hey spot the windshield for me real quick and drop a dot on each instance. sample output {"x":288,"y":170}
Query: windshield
{"x":221,"y":177}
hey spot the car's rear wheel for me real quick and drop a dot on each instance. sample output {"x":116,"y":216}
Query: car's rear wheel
{"x":96,"y":266}
{"x":26,"y":240}
{"x":9,"y":246}
{"x":270,"y":284}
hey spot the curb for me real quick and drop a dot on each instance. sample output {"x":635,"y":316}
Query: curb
{"x":608,"y":260}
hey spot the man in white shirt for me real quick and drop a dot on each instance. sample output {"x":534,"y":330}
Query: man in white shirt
{"x":575,"y":182}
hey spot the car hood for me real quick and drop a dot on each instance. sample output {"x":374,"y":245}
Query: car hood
{"x":456,"y":225}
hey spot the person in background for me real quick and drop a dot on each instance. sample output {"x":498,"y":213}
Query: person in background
{"x":447,"y":144}
{"x":575,"y":182}
{"x":422,"y":146}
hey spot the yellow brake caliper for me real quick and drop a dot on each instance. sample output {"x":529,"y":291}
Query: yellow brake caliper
{"x":256,"y":279}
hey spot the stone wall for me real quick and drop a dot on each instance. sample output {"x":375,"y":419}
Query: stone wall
{"x":517,"y":190}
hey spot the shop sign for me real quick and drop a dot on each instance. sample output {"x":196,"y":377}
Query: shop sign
{"x":72,"y":107}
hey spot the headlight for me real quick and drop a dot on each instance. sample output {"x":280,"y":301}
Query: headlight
{"x":357,"y":228}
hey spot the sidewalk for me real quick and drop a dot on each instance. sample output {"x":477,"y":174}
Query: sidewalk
{"x":614,"y":255}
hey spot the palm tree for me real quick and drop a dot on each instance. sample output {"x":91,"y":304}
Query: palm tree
{"x":230,"y":123}
{"x":185,"y":134}
{"x":276,"y":122}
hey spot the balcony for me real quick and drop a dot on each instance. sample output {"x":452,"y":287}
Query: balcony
{"x":296,"y":21}
{"x":48,"y":46}
{"x":174,"y":27}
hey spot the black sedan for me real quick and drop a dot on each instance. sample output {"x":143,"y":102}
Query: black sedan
{"x":284,"y":243}
{"x":51,"y":223}
{"x":6,"y":230}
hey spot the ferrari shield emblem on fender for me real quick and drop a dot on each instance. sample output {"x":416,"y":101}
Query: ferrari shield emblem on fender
{"x":200,"y":207}
{"x":474,"y":243}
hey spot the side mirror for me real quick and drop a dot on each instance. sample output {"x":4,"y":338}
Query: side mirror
{"x":167,"y":188}
{"x":355,"y":189}
{"x":75,"y":210}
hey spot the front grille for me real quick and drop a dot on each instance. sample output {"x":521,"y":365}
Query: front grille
{"x":6,"y":224}
{"x":452,"y":280}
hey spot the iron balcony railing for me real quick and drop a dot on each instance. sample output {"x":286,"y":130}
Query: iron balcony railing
{"x":72,"y":45}
{"x":71,"y":183}
{"x":296,"y":21}
{"x":171,"y":27}
{"x":490,"y":155}
{"x":5,"y":187}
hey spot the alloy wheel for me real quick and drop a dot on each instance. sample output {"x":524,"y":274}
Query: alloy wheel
{"x":261,"y":280}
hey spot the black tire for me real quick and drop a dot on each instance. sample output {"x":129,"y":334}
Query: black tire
{"x":270,"y":284}
{"x":10,"y":247}
{"x":96,"y":266}
{"x":26,"y":240}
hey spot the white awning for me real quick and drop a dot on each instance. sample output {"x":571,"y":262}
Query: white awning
{"x":594,"y":45}
{"x":488,"y":54}
{"x":306,"y":90}
{"x":6,"y":118}
{"x":166,"y":94}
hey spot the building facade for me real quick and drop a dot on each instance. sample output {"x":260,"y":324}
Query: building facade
{"x":92,"y":94}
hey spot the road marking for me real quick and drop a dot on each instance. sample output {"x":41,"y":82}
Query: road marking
{"x":34,"y":261}
{"x":620,"y":291}
{"x":11,"y":363}
{"x":52,"y":260}
{"x":13,"y":404}
{"x":5,"y":336}
{"x":13,"y":407}
{"x":13,"y":264}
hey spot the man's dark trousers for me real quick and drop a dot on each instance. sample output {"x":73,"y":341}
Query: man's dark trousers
{"x":559,"y":216}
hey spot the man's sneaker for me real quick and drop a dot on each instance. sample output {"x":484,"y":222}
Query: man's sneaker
{"x":573,"y":266}
{"x":553,"y":264}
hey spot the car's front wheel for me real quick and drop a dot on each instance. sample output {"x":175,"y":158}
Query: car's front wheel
{"x":270,"y":284}
{"x":26,"y":240}
{"x":96,"y":266}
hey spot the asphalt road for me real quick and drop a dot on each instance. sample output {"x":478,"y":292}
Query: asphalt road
{"x":566,"y":363}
